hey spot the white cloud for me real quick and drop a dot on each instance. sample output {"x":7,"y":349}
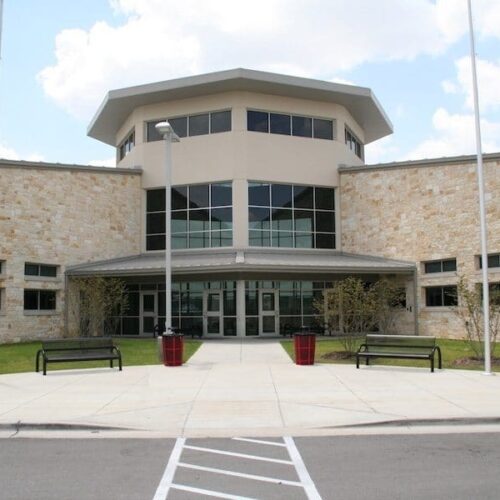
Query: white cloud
{"x":381,"y":151}
{"x":162,"y":39}
{"x":488,"y":76}
{"x":453,"y":22}
{"x":108,"y":162}
{"x":8,"y":153}
{"x":454,"y":134}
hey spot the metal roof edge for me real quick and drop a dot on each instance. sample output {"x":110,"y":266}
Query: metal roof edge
{"x":427,"y":162}
{"x":13,"y":164}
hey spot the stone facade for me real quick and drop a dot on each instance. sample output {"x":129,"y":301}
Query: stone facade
{"x":423,"y":211}
{"x":59,"y":215}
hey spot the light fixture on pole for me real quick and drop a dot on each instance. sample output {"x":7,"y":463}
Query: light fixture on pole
{"x":167,"y":132}
{"x":482,"y":207}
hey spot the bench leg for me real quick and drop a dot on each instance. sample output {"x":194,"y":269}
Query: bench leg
{"x":432,"y":364}
{"x":44,"y":367}
{"x":111,"y":363}
{"x":120,"y":363}
{"x":367,"y":361}
{"x":357,"y":361}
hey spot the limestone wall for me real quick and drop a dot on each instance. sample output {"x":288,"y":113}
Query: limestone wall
{"x":59,"y":215}
{"x":423,"y":211}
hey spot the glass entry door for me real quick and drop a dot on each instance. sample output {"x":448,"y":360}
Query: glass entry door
{"x":268,"y":313}
{"x":212,"y":312}
{"x":149,"y":308}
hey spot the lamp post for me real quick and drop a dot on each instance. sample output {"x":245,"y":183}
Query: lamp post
{"x":167,"y":132}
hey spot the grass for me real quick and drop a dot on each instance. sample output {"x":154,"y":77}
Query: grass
{"x":17,"y":358}
{"x":452,"y":351}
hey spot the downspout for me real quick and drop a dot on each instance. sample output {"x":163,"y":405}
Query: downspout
{"x":66,"y":311}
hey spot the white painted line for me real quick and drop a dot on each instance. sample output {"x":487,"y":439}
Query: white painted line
{"x":209,"y":493}
{"x":300,"y":467}
{"x":240,"y":474}
{"x":259,"y":441}
{"x":240,"y":455}
{"x":168,"y":474}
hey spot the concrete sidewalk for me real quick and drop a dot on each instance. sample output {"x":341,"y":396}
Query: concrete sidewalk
{"x":244,"y":388}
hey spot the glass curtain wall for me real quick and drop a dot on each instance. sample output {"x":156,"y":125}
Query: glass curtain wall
{"x":284,"y":215}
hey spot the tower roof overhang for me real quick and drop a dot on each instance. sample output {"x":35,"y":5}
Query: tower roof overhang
{"x":359,"y":101}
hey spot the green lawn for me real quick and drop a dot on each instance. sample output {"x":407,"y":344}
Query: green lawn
{"x":452,"y":350}
{"x":16,"y":358}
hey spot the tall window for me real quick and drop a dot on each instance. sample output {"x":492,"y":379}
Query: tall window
{"x":189,"y":126}
{"x":202,"y":216}
{"x":353,"y":143}
{"x":127,"y":145}
{"x":284,"y":215}
{"x":285,"y":124}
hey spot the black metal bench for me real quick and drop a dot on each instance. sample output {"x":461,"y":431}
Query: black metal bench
{"x":80,"y":349}
{"x":399,"y":347}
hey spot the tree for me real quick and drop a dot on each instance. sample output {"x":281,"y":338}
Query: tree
{"x":95,"y":305}
{"x":470,"y":311}
{"x":353,"y":308}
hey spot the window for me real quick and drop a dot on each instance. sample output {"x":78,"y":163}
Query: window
{"x":440,"y":266}
{"x":39,"y":300}
{"x":202,"y":216}
{"x":285,"y":215}
{"x":493,"y":260}
{"x":192,"y":125}
{"x":42,"y":270}
{"x":2,"y":267}
{"x":127,"y":145}
{"x":285,"y":124}
{"x":353,"y":143}
{"x":440,"y":296}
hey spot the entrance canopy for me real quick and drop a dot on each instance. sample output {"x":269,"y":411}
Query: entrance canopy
{"x":248,"y":260}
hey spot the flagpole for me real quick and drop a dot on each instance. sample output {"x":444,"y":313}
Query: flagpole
{"x":482,"y":208}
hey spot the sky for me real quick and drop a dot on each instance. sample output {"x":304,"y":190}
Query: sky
{"x":59,"y":59}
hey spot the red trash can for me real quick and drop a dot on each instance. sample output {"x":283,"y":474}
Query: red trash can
{"x":305,"y":346}
{"x":173,"y":347}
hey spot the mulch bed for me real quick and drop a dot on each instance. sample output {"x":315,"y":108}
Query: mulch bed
{"x":474,"y":361}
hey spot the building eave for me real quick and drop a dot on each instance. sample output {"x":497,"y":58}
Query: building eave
{"x":119,"y":104}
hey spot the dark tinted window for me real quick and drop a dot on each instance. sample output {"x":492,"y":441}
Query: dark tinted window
{"x":281,"y":195}
{"x":49,"y":271}
{"x":199,"y":220}
{"x":151,"y":132}
{"x":323,"y":129}
{"x":259,"y":218}
{"x":258,"y":194}
{"x":450,"y":295}
{"x":179,"y":221}
{"x":179,"y":197}
{"x":433,"y":267}
{"x":179,"y":125}
{"x":449,"y":265}
{"x":47,"y":300}
{"x":155,"y":223}
{"x":198,"y":124}
{"x":282,"y":219}
{"x":155,"y":243}
{"x":301,"y":126}
{"x":220,"y":122}
{"x":198,"y":196}
{"x":31,"y":269}
{"x":30,"y":300}
{"x":222,"y":218}
{"x":304,"y":220}
{"x":221,"y":195}
{"x":155,"y":200}
{"x":438,"y":296}
{"x":257,"y":121}
{"x":280,"y":124}
{"x":325,"y":198}
{"x":303,"y":196}
{"x":325,"y":222}
{"x":325,"y":240}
